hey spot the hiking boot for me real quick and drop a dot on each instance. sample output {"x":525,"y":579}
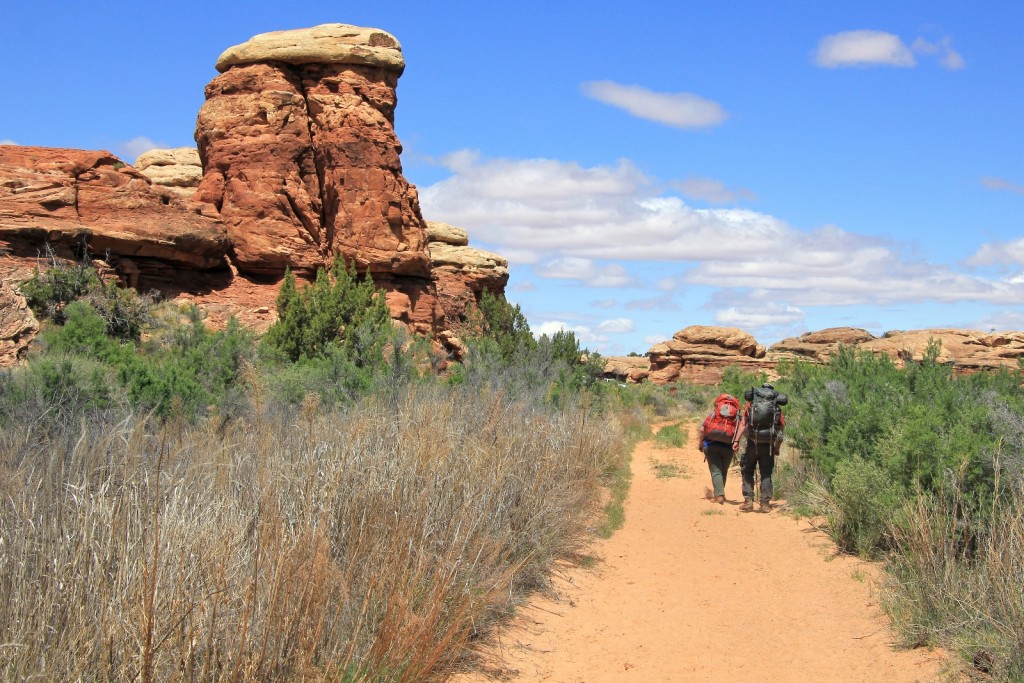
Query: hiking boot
{"x":747,"y":506}
{"x":764,"y":506}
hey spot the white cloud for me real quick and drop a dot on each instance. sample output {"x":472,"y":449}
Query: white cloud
{"x":602,"y":212}
{"x":998,"y":254}
{"x":1000,"y":322}
{"x":604,"y":303}
{"x":130,"y":150}
{"x":8,"y":142}
{"x":603,"y":216}
{"x":712,"y":191}
{"x":665,"y":302}
{"x":1002,"y":184}
{"x":586,"y":271}
{"x":549,"y":328}
{"x":680,"y":110}
{"x":584,"y":334}
{"x":653,"y":339}
{"x":524,"y":286}
{"x":616,"y":326}
{"x":760,"y":317}
{"x":863,"y":48}
{"x":668,"y":284}
{"x":943,"y":50}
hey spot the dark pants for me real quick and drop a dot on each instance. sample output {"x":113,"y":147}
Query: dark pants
{"x":758,"y":455}
{"x":719,"y":457}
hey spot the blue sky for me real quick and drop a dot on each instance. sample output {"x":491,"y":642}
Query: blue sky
{"x":780,"y":167}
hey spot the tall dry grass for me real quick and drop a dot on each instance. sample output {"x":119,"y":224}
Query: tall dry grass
{"x":960,"y":584}
{"x":367,"y":545}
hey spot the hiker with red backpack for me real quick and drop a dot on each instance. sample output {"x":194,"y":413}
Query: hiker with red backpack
{"x":762,"y":424}
{"x":719,"y":438}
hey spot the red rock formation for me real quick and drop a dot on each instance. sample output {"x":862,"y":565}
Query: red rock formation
{"x":72,"y":198}
{"x":818,"y":346}
{"x":701,"y":353}
{"x":460,"y":272}
{"x":300,"y":163}
{"x":300,"y":154}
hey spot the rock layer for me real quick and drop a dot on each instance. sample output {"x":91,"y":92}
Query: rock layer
{"x":460,"y":272}
{"x":75,"y":199}
{"x":700,"y":354}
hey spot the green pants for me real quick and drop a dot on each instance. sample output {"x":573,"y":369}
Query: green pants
{"x":719,"y":457}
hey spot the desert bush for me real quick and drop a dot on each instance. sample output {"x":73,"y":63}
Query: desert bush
{"x":368,"y":545}
{"x":735,"y":381}
{"x":956,"y":582}
{"x":339,"y":309}
{"x":49,"y":290}
{"x":924,"y":468}
{"x":916,"y":424}
{"x":124,"y":310}
{"x":48,"y":293}
{"x":860,"y":505}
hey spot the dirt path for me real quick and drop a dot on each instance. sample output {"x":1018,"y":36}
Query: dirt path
{"x":689,"y":590}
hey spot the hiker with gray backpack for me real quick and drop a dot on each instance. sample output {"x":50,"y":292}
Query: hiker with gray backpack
{"x":763,"y":425}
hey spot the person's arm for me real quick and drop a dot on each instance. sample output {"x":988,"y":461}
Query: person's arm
{"x":739,"y":432}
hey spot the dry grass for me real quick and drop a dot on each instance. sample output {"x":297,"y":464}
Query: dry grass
{"x":961,"y":585}
{"x":371,"y":545}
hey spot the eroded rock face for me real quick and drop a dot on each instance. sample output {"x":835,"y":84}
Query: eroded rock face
{"x":71,"y":199}
{"x":966,"y":350}
{"x":460,"y":272}
{"x":300,"y":154}
{"x":700,"y":354}
{"x":818,"y":346}
{"x":17,"y":326}
{"x":297,"y":162}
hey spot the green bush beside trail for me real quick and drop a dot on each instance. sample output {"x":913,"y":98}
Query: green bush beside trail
{"x":924,"y":469}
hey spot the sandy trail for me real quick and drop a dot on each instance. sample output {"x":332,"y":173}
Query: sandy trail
{"x":689,"y":590}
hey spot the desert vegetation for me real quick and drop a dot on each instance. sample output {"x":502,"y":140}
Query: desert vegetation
{"x":182,"y":504}
{"x":925,"y":470}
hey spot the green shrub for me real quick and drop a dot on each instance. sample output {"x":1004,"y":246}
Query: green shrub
{"x":56,"y":392}
{"x":48,"y":291}
{"x":864,"y":502}
{"x":735,"y":381}
{"x":338,"y":309}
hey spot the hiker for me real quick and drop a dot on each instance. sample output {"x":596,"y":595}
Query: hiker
{"x":719,"y":438}
{"x":763,"y":425}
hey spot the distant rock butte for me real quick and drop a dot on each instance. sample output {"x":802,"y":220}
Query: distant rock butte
{"x":700,"y":354}
{"x":297,"y":163}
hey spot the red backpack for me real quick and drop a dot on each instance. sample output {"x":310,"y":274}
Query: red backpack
{"x":721,"y":424}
